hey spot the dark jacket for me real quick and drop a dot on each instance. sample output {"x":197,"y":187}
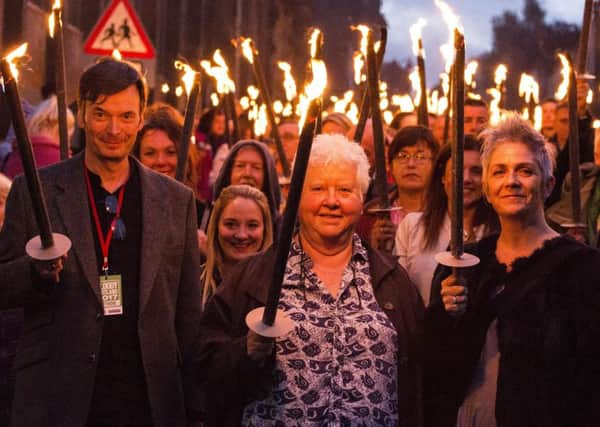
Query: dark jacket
{"x":271,"y":183}
{"x":56,"y":361}
{"x":586,"y":154}
{"x":226,"y":379}
{"x":548,"y":327}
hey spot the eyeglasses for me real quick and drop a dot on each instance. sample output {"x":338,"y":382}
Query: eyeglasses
{"x":110,"y":204}
{"x":419,"y":158}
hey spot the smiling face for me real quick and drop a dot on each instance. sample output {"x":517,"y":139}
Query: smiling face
{"x":248,"y":168}
{"x":411,"y":167}
{"x":471,"y":181}
{"x":241,"y":229}
{"x":111,"y":125}
{"x":158,"y":152}
{"x":514,"y":183}
{"x":331,"y":204}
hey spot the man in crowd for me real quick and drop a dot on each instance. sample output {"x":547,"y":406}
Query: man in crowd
{"x":89,"y":355}
{"x":561,"y":139}
{"x":476,"y":116}
{"x":548,"y":113}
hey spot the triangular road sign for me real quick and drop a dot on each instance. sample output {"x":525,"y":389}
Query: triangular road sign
{"x":119,"y":28}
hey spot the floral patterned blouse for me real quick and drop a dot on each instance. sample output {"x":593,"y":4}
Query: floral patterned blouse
{"x":338,"y":366}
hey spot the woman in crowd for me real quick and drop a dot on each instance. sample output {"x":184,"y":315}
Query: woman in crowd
{"x":157,"y":144}
{"x":514,"y":341}
{"x":410,"y":161}
{"x":239,"y":227}
{"x":250,"y":162}
{"x":423,"y":234}
{"x":353,"y":355}
{"x":42,"y":128}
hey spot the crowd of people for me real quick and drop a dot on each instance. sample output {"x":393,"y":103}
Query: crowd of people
{"x":143,"y":321}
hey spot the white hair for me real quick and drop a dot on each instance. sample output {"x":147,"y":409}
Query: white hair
{"x":335,"y":149}
{"x":515,"y":129}
{"x":45,"y":117}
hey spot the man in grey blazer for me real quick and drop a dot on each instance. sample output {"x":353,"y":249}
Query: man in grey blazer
{"x":107,"y":326}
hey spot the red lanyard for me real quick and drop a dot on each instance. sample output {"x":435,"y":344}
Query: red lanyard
{"x":104,"y":241}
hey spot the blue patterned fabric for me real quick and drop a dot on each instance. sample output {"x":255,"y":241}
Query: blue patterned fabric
{"x":338,"y":366}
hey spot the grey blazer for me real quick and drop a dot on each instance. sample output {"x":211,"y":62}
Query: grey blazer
{"x":57,"y":354}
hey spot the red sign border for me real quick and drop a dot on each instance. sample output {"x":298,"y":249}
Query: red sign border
{"x":137,"y":23}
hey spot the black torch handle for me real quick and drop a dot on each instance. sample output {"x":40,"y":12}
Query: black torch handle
{"x":188,"y":125}
{"x":574,"y":146}
{"x":32,"y":177}
{"x":61,"y":93}
{"x":423,"y":113}
{"x":378,"y":139}
{"x":584,"y":36}
{"x":289,"y":218}
{"x":230,"y":103}
{"x":456,"y":238}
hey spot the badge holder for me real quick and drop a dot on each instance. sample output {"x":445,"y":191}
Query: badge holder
{"x":34,"y":248}
{"x":281,"y":327}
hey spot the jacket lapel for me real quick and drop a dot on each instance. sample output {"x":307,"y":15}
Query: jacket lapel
{"x":153,"y":233}
{"x":73,"y":207}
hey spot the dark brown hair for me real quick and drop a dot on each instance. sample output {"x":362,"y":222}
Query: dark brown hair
{"x":412,"y":135}
{"x":107,"y":77}
{"x":436,"y":200}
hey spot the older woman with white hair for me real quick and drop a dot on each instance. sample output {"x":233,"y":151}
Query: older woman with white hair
{"x":514,"y":341}
{"x":353,"y":355}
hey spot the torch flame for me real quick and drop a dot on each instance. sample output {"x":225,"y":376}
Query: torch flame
{"x":253,"y":92}
{"x":416,"y":31}
{"x":314,"y":89}
{"x":214,"y":99}
{"x":352,"y":113}
{"x":313,"y":42}
{"x":165,"y":88}
{"x":364,"y":30}
{"x":453,"y":22}
{"x":188,"y":75}
{"x":220,"y":73}
{"x":341,"y":105}
{"x":248,"y":49}
{"x":415,"y":81}
{"x":359,"y":63}
{"x":500,"y":74}
{"x":289,"y":83}
{"x":116,"y":54}
{"x":495,"y":114}
{"x":537,"y":118}
{"x":260,"y":124}
{"x":51,"y":23}
{"x":405,"y":103}
{"x":529,"y":89}
{"x":589,"y":97}
{"x":563,"y":87}
{"x":244,"y":103}
{"x":470,"y":71}
{"x":10,"y":58}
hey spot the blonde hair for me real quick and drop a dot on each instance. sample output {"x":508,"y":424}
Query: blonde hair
{"x":214,"y":259}
{"x":44,"y":118}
